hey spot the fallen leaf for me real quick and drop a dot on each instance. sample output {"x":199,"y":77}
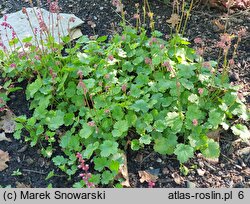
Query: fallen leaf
{"x":246,"y":171}
{"x":4,"y":138}
{"x":174,"y":20}
{"x":244,"y":151}
{"x":7,"y":122}
{"x":177,"y":178}
{"x":217,"y":23}
{"x":4,"y":157}
{"x":21,"y":185}
{"x":201,"y":172}
{"x":123,"y":172}
{"x":145,"y":176}
{"x":212,"y":161}
{"x":214,"y":134}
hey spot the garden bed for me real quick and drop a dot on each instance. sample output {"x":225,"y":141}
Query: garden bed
{"x":233,"y":167}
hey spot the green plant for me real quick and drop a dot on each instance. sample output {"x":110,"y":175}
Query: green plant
{"x":17,"y":173}
{"x":132,"y":91}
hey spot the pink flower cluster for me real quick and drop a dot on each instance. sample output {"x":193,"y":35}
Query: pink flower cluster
{"x":85,"y":167}
{"x":7,"y":25}
{"x":54,"y":7}
{"x":118,"y":4}
{"x":168,"y":66}
{"x":147,"y":60}
{"x":225,"y":42}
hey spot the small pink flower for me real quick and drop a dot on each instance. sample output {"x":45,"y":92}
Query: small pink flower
{"x":200,"y":91}
{"x":123,"y":37}
{"x":118,"y":4}
{"x":54,"y":7}
{"x":72,"y":19}
{"x":231,"y":62}
{"x":197,"y":40}
{"x":13,"y":65}
{"x":80,"y":74}
{"x":168,"y":66}
{"x":206,"y":64}
{"x":167,"y":36}
{"x":107,"y":76}
{"x":242,"y":32}
{"x":136,"y":16}
{"x":153,"y":40}
{"x":111,"y":57}
{"x":199,"y":51}
{"x":148,"y":60}
{"x":124,"y":88}
{"x":107,"y":111}
{"x":37,"y":57}
{"x":24,"y":11}
{"x":5,"y":17}
{"x":21,"y":55}
{"x":195,"y":122}
{"x":151,"y":184}
{"x":35,"y":31}
{"x":28,"y":44}
{"x":91,"y":123}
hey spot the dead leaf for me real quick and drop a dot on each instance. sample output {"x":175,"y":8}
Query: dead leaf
{"x":123,"y":172}
{"x":214,"y":134}
{"x":4,"y":157}
{"x":174,"y":20}
{"x":246,"y":171}
{"x":4,"y":138}
{"x":145,"y":176}
{"x":217,"y":23}
{"x":21,"y":185}
{"x":212,"y":160}
{"x":177,"y":178}
{"x":7,"y":122}
{"x":201,"y":172}
{"x":244,"y":151}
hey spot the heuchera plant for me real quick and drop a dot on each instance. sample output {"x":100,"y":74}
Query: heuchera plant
{"x":103,"y":97}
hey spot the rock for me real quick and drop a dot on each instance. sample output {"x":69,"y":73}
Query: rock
{"x":159,"y":160}
{"x":19,"y":22}
{"x":155,"y":172}
{"x":190,"y":184}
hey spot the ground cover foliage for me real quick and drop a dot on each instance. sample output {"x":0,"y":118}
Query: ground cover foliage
{"x":98,"y":97}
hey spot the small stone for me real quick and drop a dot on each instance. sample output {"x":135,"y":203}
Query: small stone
{"x":159,"y":160}
{"x":155,"y":172}
{"x":29,"y":161}
{"x":165,"y":171}
{"x":190,"y":184}
{"x":101,"y":8}
{"x":95,"y":17}
{"x":201,"y":164}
